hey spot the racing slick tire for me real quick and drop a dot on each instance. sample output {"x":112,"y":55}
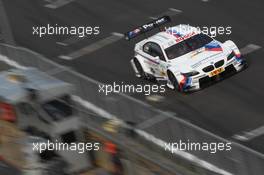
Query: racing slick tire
{"x":174,"y":81}
{"x":142,"y":73}
{"x":140,"y":69}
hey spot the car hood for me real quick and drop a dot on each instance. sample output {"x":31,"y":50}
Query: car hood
{"x":202,"y":57}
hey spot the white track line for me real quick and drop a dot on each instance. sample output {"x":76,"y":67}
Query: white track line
{"x":152,"y":121}
{"x":247,"y":136}
{"x":71,"y":40}
{"x":65,"y":57}
{"x":93,"y":47}
{"x":54,"y":4}
{"x":62,"y":43}
{"x":169,"y":12}
{"x":249,"y":49}
{"x":11,"y":62}
{"x":155,"y":98}
{"x":176,"y":11}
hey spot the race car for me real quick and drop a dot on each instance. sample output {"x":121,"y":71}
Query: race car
{"x":182,"y":56}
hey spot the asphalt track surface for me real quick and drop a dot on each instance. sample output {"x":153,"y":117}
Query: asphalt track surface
{"x":227,"y":108}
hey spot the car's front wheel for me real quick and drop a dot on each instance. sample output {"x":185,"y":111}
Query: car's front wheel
{"x":139,"y":68}
{"x":141,"y":73}
{"x":173,"y":82}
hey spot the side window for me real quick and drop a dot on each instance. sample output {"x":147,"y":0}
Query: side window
{"x":154,"y":50}
{"x":157,"y":51}
{"x":147,"y":48}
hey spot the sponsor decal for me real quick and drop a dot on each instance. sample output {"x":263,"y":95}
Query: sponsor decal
{"x":213,"y":46}
{"x":134,"y":33}
{"x":180,"y":37}
{"x":147,"y":27}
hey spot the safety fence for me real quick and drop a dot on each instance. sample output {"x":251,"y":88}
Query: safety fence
{"x":238,"y":161}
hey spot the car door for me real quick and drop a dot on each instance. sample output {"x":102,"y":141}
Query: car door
{"x":155,"y":59}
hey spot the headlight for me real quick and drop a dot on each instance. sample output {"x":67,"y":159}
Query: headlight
{"x":230,"y":56}
{"x":190,"y":74}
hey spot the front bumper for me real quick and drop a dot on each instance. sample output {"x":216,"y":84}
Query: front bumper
{"x":201,"y":81}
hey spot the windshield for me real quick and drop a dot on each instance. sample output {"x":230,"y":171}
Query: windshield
{"x":187,"y":46}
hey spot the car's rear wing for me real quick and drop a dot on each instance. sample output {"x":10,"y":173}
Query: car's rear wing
{"x":147,"y":27}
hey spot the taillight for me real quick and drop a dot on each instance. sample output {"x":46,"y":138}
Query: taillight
{"x":7,"y":112}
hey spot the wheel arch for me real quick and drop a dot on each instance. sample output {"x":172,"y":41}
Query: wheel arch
{"x":140,"y":59}
{"x":232,"y":46}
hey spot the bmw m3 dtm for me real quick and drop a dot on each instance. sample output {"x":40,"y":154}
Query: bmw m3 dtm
{"x":182,"y":56}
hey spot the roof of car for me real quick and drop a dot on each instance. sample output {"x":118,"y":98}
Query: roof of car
{"x":173,"y":35}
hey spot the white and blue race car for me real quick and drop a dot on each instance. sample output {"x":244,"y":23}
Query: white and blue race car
{"x":182,"y":56}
